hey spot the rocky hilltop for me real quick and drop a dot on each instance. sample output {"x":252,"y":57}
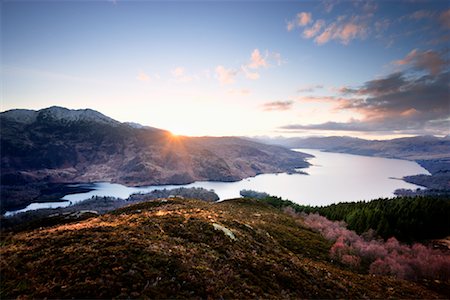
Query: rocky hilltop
{"x":58,"y":145}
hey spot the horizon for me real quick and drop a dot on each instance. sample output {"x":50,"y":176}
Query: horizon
{"x":269,"y":137}
{"x":235,"y":68}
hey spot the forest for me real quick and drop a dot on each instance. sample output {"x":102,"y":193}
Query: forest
{"x":406,"y":218}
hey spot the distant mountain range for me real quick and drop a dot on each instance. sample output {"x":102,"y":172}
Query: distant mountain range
{"x":58,"y":145}
{"x":412,"y":148}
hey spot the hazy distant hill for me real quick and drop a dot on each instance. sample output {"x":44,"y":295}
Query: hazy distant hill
{"x":413,"y":148}
{"x":61,"y":145}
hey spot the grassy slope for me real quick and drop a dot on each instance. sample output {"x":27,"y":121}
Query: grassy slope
{"x":167,"y":249}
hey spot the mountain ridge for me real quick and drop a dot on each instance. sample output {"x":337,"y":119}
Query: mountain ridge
{"x":65,"y":146}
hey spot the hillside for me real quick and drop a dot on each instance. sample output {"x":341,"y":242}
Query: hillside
{"x":187,"y":249}
{"x":411,"y":148}
{"x":58,"y":145}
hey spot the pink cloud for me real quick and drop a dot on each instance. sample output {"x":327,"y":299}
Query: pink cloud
{"x":326,"y":35}
{"x":421,"y":14}
{"x":304,"y":18}
{"x":180,"y":75}
{"x":143,"y":77}
{"x":257,"y":60}
{"x":178,"y":72}
{"x":313,"y":30}
{"x":343,"y":31}
{"x":290,"y":25}
{"x":444,"y":18}
{"x":225,"y":76}
{"x":250,"y":75}
{"x":301,"y":19}
{"x":424,"y":60}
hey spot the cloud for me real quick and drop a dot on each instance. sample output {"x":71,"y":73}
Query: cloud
{"x":397,"y":95}
{"x":277,"y":58}
{"x":225,"y":76}
{"x":290,"y":26}
{"x":382,"y":25}
{"x":256,"y":60}
{"x":313,"y":30}
{"x":304,"y":18}
{"x":250,"y":75}
{"x":401,"y":102}
{"x":179,"y":73}
{"x":378,"y":87}
{"x":331,"y":126}
{"x":421,"y":14}
{"x":343,"y":31}
{"x":328,"y":5}
{"x":444,"y":18}
{"x":277,"y":106}
{"x":309,"y":88}
{"x":433,"y":127}
{"x":143,"y":77}
{"x":301,"y":19}
{"x":429,"y":61}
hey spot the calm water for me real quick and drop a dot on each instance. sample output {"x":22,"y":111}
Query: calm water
{"x":333,"y":177}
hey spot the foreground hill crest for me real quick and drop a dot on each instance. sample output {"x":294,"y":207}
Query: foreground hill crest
{"x":176,"y":248}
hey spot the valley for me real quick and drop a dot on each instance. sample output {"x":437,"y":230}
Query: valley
{"x":58,"y":145}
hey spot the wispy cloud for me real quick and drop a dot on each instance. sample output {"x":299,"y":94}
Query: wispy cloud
{"x":277,"y":58}
{"x":257,"y":60}
{"x":328,"y":5}
{"x":250,"y":69}
{"x":313,"y":30}
{"x":405,"y":102}
{"x":179,"y":73}
{"x":277,"y":105}
{"x":421,"y":14}
{"x":430,"y":61}
{"x":143,"y":77}
{"x":301,"y":19}
{"x":249,"y":74}
{"x":309,"y":88}
{"x":343,"y":30}
{"x":224,"y":75}
{"x":444,"y":18}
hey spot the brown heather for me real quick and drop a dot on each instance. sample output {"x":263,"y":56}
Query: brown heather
{"x":171,"y":249}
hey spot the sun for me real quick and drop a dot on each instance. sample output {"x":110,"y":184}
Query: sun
{"x":174,"y":135}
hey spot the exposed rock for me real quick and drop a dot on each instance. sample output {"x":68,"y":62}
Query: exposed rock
{"x":225,"y":230}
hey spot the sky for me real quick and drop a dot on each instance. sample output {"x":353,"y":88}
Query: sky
{"x":371,"y":69}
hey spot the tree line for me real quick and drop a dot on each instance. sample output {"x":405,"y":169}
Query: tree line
{"x":407,"y":218}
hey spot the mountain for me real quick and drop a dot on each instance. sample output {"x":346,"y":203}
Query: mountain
{"x":412,"y":148}
{"x":180,"y":248}
{"x":58,"y":145}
